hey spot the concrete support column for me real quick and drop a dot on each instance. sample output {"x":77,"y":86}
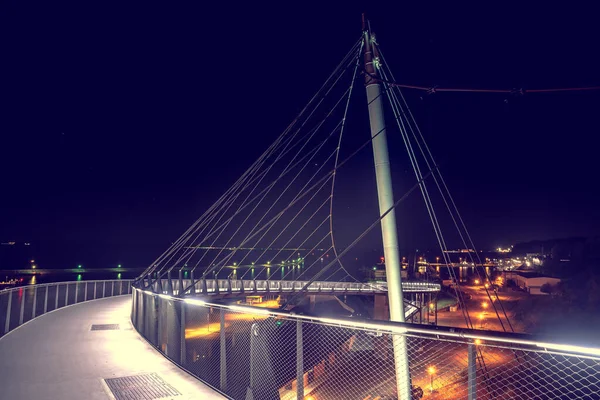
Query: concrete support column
{"x":381,"y":310}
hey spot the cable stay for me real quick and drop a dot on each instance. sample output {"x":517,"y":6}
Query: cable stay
{"x":282,"y":205}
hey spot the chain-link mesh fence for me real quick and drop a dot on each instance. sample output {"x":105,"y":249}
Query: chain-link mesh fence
{"x":245,"y":351}
{"x":21,"y":304}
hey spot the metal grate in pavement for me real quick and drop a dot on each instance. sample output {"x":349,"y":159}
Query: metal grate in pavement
{"x":105,"y":327}
{"x":140,"y":387}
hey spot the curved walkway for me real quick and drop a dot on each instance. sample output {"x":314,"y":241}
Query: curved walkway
{"x":58,"y":356}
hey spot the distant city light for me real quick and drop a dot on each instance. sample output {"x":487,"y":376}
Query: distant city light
{"x":79,"y":266}
{"x":119,"y":266}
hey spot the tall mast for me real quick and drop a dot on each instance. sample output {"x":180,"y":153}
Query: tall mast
{"x":388,"y":223}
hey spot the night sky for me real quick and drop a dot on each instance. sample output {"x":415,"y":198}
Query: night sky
{"x":121,"y":123}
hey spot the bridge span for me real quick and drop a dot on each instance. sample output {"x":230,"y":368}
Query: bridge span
{"x":234,"y":286}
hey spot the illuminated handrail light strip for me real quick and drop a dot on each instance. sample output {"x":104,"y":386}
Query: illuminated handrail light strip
{"x":570,"y":348}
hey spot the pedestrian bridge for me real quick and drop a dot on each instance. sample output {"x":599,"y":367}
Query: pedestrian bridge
{"x":235,"y":286}
{"x":244,"y":352}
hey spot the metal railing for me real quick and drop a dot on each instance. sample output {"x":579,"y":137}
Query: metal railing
{"x":257,"y":353}
{"x":21,"y":304}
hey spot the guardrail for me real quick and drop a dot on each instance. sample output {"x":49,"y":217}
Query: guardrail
{"x":21,"y":304}
{"x":257,"y":353}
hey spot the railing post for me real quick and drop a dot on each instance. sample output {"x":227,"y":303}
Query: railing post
{"x":56,"y":297}
{"x":216,"y":283}
{"x":193,"y":288}
{"x":112,"y":288}
{"x":204,"y":286}
{"x":67,"y":295}
{"x":35,"y":288}
{"x":85,"y":292}
{"x":180,"y":292}
{"x":46,"y":299}
{"x":120,"y":288}
{"x":472,"y":371}
{"x":160,"y":324}
{"x":76,"y":291}
{"x":223,"y":354}
{"x":103,"y":289}
{"x":95,"y":285}
{"x":229,"y":285}
{"x":253,"y":343}
{"x":299,"y":362}
{"x":22,"y":313}
{"x":169,"y":283}
{"x":7,"y":323}
{"x":182,"y":357}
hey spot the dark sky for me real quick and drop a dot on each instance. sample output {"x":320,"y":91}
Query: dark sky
{"x":121,"y":123}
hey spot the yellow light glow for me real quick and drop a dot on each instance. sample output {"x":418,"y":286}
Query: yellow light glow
{"x":431,"y":370}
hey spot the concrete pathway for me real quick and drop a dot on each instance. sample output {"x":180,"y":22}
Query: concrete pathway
{"x":57,"y":356}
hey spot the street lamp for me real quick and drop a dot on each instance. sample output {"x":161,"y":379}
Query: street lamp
{"x":481,"y":317}
{"x":431,"y":371}
{"x":484,"y":305}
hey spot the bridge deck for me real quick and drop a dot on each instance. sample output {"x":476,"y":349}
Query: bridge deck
{"x":57,"y":356}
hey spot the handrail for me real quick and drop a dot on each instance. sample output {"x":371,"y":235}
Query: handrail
{"x":6,"y":290}
{"x":31,"y":301}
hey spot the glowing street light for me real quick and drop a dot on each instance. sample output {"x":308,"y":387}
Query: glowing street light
{"x":484,"y":305}
{"x":477,"y":281}
{"x":481,"y":318}
{"x":431,"y":371}
{"x":79,"y":266}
